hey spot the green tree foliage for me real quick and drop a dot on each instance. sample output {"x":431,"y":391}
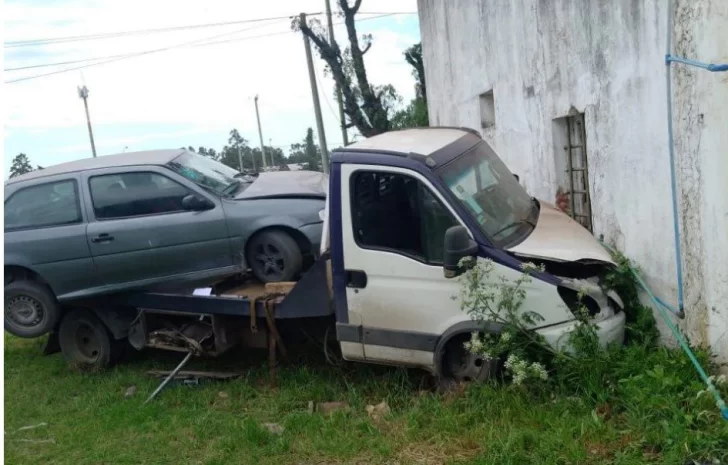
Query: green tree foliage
{"x":415,"y":114}
{"x":21,"y":165}
{"x":306,"y":153}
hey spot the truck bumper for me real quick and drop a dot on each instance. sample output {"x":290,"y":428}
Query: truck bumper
{"x":609,"y":330}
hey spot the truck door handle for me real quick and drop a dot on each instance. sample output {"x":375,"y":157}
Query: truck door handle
{"x":356,"y":279}
{"x":102,"y":238}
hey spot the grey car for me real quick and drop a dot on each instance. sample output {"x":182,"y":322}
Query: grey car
{"x":148,"y":219}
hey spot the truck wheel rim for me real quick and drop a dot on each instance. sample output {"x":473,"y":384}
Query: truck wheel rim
{"x":269,"y":260}
{"x":468,"y":367}
{"x":87,"y":342}
{"x":24,"y":311}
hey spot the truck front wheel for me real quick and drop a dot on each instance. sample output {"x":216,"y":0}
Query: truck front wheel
{"x":460,"y":365}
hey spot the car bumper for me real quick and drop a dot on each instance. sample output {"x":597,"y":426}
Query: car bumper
{"x":609,"y":330}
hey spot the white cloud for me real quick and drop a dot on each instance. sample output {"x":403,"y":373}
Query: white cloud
{"x":210,"y":87}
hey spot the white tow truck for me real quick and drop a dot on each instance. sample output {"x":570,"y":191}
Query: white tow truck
{"x":403,"y":208}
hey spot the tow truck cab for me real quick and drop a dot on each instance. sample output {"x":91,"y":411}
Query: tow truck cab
{"x":395,"y":200}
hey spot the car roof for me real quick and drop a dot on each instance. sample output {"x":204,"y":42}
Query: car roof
{"x":423,"y":141}
{"x":148,"y":157}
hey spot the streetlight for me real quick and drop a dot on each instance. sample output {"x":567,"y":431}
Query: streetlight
{"x":83,"y":93}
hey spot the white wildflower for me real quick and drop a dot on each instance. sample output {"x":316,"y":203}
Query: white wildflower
{"x":721,"y":380}
{"x":529,"y":267}
{"x":539,"y":371}
{"x":505,"y":337}
{"x":700,"y":393}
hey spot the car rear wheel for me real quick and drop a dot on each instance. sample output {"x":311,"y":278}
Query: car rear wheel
{"x":274,"y":256}
{"x":31,"y":309}
{"x":85,"y":342}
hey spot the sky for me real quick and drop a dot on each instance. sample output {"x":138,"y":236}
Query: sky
{"x":191,"y":94}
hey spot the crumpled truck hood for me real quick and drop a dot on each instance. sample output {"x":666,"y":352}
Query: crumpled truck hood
{"x":558,"y":237}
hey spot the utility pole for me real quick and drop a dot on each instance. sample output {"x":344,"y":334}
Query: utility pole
{"x":260,"y":133}
{"x":332,"y":41}
{"x":83,"y":93}
{"x":316,"y":102}
{"x":240,"y":159}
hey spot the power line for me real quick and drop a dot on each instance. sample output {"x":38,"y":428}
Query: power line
{"x":109,"y":35}
{"x":192,"y":44}
{"x":131,"y":54}
{"x":199,"y":42}
{"x":112,"y":35}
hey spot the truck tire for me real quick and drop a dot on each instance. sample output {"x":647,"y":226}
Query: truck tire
{"x":85,"y":342}
{"x":460,"y":365}
{"x":31,"y":309}
{"x":274,"y":256}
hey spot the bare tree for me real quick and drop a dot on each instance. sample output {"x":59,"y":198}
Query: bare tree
{"x":366,"y":107}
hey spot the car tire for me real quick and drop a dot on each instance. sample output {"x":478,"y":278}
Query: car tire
{"x":85,"y":342}
{"x":31,"y":309}
{"x":274,"y":256}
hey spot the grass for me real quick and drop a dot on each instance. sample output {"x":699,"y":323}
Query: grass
{"x":654,"y":418}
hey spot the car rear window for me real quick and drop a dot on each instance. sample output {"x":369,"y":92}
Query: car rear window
{"x":52,"y":204}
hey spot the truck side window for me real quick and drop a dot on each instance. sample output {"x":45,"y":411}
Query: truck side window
{"x":135,"y":194}
{"x":51,"y":204}
{"x":395,"y":212}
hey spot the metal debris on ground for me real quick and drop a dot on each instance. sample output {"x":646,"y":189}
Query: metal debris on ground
{"x":196,"y":375}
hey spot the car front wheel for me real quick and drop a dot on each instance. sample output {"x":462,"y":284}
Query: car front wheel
{"x":274,"y":256}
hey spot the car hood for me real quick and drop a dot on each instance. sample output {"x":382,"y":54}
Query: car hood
{"x":557,"y":237}
{"x":286,"y":184}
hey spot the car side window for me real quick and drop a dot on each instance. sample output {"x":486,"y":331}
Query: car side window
{"x":127,"y":195}
{"x":51,"y":204}
{"x":396,"y":212}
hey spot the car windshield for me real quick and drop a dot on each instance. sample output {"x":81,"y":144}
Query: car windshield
{"x":207,"y":173}
{"x":492,"y":195}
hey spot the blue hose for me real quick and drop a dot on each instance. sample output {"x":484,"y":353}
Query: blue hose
{"x":661,"y":307}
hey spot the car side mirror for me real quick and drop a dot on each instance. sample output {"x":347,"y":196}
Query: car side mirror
{"x":458,"y":245}
{"x":193,"y":202}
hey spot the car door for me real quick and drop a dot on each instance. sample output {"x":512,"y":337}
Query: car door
{"x":45,"y":230}
{"x":393,"y":234}
{"x":141,"y":232}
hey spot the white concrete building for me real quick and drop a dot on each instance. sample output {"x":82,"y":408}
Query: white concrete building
{"x":527,"y":73}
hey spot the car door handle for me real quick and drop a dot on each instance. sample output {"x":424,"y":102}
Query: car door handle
{"x":102,"y":238}
{"x":356,"y":279}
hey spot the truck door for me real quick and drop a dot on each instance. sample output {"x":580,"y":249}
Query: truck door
{"x":393,"y":226}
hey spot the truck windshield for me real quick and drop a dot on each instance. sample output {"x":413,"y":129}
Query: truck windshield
{"x":492,"y":195}
{"x":207,"y":173}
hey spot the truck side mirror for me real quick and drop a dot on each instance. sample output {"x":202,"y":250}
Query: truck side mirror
{"x":458,"y":245}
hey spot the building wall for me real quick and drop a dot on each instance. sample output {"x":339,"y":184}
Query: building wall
{"x":543,"y":59}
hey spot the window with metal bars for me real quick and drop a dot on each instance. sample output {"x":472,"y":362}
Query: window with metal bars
{"x":572,"y":169}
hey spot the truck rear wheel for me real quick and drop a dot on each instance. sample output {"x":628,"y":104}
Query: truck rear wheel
{"x":31,"y":309}
{"x":85,"y":342}
{"x":274,"y":256}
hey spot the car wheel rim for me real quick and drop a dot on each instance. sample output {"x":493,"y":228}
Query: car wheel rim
{"x":87,"y":342}
{"x":269,"y":261}
{"x":24,"y":311}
